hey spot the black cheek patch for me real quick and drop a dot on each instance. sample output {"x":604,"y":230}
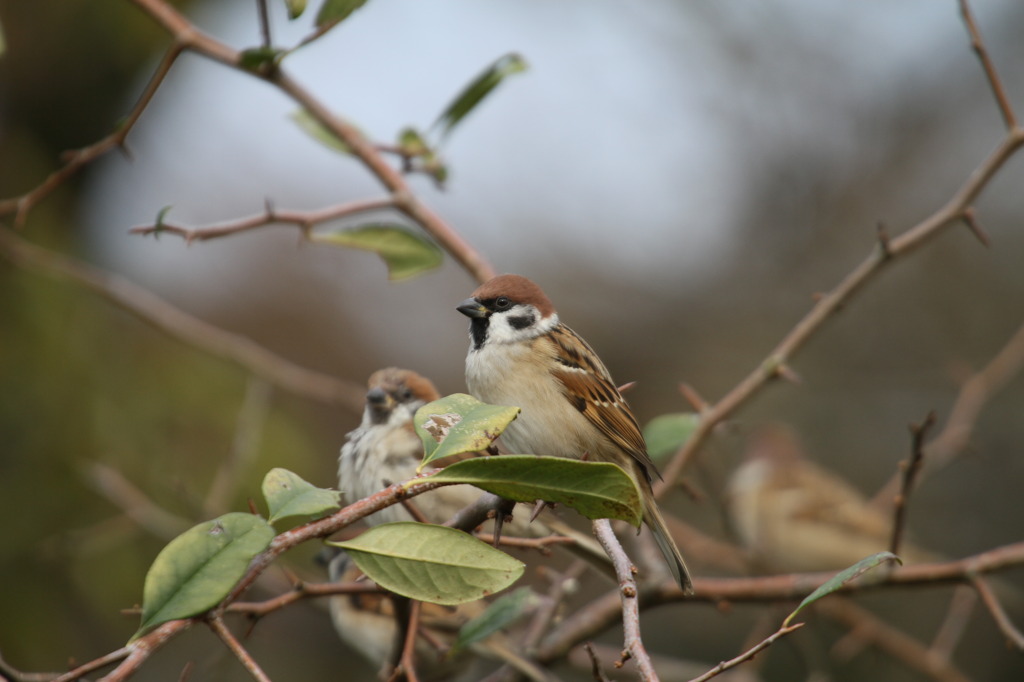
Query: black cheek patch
{"x":521,"y":321}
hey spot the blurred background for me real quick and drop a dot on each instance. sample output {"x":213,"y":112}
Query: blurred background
{"x":681,"y":178}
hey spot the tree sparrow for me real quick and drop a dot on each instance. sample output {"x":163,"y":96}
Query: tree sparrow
{"x":385,"y":449}
{"x":795,"y":516}
{"x":521,"y":354}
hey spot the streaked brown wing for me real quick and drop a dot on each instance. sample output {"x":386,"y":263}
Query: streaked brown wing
{"x":590,"y":388}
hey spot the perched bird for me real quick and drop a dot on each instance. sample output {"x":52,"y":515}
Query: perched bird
{"x":795,"y":516}
{"x":385,"y":449}
{"x":521,"y":354}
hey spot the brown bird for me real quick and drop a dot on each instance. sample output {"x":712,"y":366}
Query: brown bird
{"x":521,"y":354}
{"x":795,"y":516}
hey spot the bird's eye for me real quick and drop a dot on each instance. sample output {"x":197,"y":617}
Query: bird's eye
{"x":502,"y":303}
{"x":405,"y":394}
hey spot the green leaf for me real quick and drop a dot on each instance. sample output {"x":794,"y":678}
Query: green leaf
{"x":257,"y":58}
{"x":667,"y":433}
{"x":318,"y":132}
{"x":288,"y":495}
{"x":158,"y":226}
{"x":843,"y":577}
{"x":197,"y":569}
{"x":476,"y":91}
{"x":295,"y":8}
{"x":500,"y":614}
{"x":405,"y":252}
{"x":459,"y":423}
{"x":412,"y":143}
{"x":432,"y":563}
{"x":334,"y":11}
{"x":598,"y":490}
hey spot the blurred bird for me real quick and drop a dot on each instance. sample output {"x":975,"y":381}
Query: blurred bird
{"x":385,"y":449}
{"x":521,"y":354}
{"x":795,"y":516}
{"x":369,"y":623}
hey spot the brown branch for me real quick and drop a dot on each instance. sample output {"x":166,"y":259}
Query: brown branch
{"x":972,"y":398}
{"x":749,"y":654}
{"x":304,"y":220}
{"x":217,"y":625}
{"x":595,"y":617}
{"x":627,"y":589}
{"x":1006,"y":626}
{"x":302,"y":590}
{"x":949,"y":634}
{"x":978,"y":45}
{"x":407,"y":661}
{"x":75,"y":160}
{"x":828,"y":304}
{"x":896,"y":643}
{"x":402,"y":197}
{"x":131,"y":656}
{"x":135,"y":504}
{"x":910,"y":469}
{"x":154,"y":310}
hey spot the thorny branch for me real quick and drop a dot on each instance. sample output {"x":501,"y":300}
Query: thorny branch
{"x":216,"y":624}
{"x":304,"y":220}
{"x":890,"y":251}
{"x":910,"y":469}
{"x":633,"y":646}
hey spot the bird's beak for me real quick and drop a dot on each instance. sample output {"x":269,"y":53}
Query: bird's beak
{"x":378,"y":399}
{"x":472,"y":308}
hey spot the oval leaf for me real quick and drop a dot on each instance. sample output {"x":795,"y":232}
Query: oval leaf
{"x":295,"y":8}
{"x":288,"y":495}
{"x":666,"y":434}
{"x":432,"y":563}
{"x":318,"y":132}
{"x":475,"y":92}
{"x":459,"y":423}
{"x":844,"y":576}
{"x":598,"y":490}
{"x":497,"y":616}
{"x":197,"y":569}
{"x":333,"y":11}
{"x":406,"y":253}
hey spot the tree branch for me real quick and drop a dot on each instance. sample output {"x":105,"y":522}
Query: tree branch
{"x":910,"y":469}
{"x":213,"y":340}
{"x":217,"y":625}
{"x":892,"y":250}
{"x":626,"y":572}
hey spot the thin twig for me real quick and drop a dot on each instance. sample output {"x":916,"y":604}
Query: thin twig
{"x":1006,"y":626}
{"x":595,"y":664}
{"x":217,"y":625}
{"x":601,"y":613}
{"x":264,"y":15}
{"x":135,"y":504}
{"x":75,"y":160}
{"x":895,"y":248}
{"x":866,"y":626}
{"x":633,"y":646}
{"x":749,"y":654}
{"x":154,"y":310}
{"x":244,"y":447}
{"x":910,"y":469}
{"x":304,"y":220}
{"x":975,"y":393}
{"x":392,"y":179}
{"x":961,"y":604}
{"x":978,"y":45}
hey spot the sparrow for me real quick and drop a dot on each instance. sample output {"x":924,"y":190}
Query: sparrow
{"x":521,"y":354}
{"x":795,"y":516}
{"x":385,"y":449}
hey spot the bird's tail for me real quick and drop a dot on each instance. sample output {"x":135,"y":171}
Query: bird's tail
{"x":654,"y":521}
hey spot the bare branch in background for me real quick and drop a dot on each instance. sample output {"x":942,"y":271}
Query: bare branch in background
{"x":75,"y":160}
{"x":154,"y":310}
{"x":893,"y":249}
{"x":910,"y":469}
{"x":304,"y":220}
{"x":749,"y":654}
